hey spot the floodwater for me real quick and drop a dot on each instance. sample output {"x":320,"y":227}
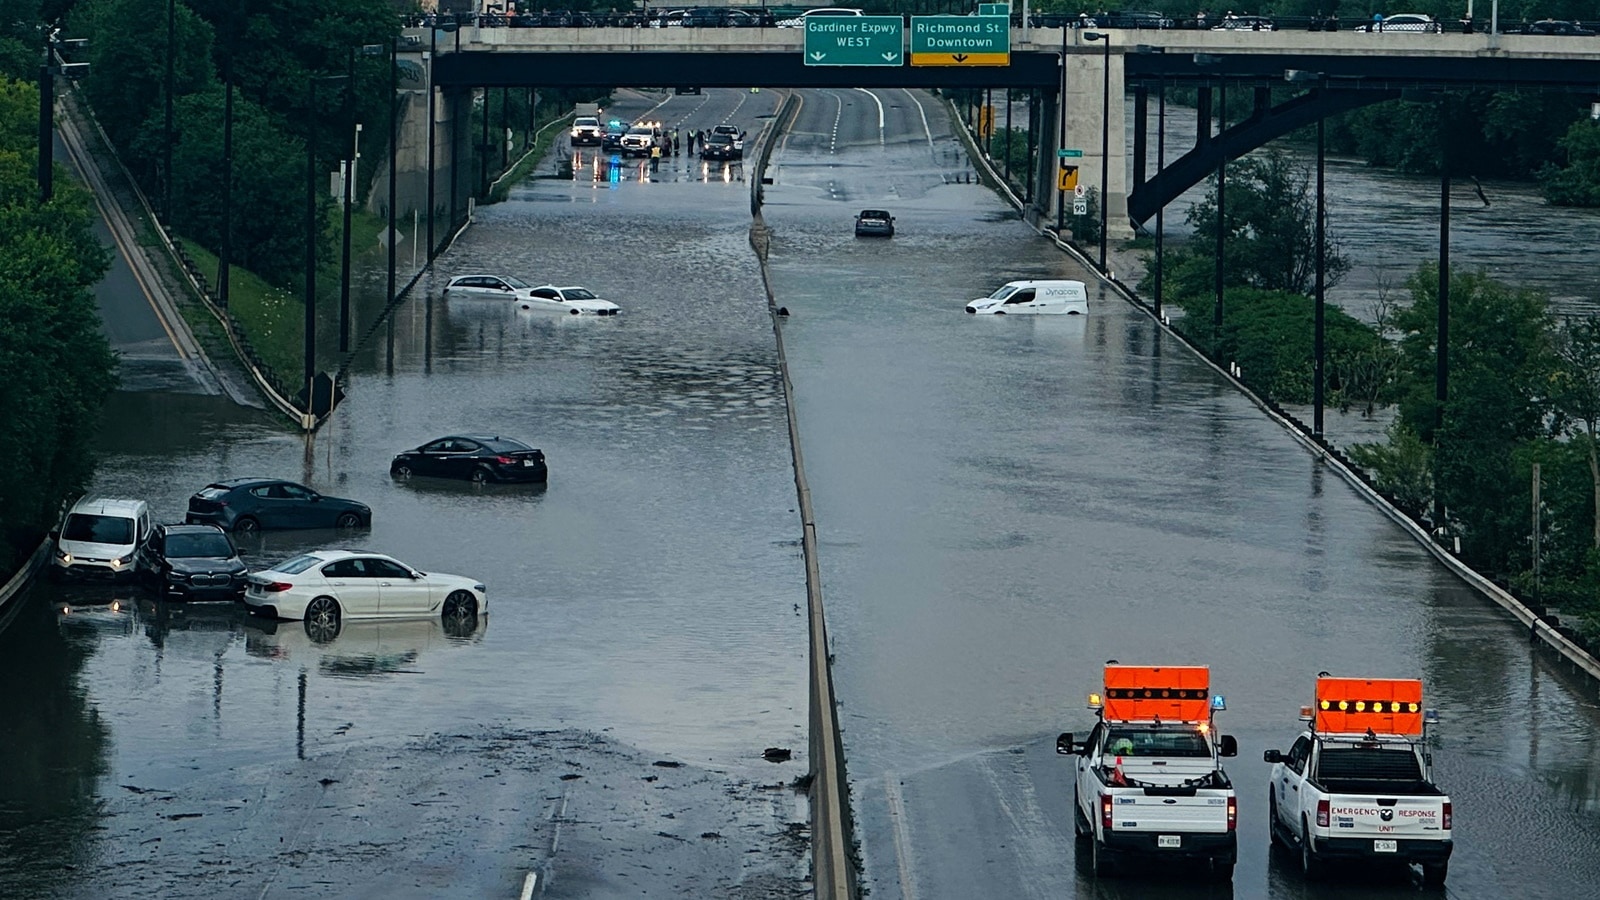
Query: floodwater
{"x":1003,"y":505}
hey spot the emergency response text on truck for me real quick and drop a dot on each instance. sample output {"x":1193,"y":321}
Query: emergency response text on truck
{"x":1149,"y":776}
{"x":1358,"y":784}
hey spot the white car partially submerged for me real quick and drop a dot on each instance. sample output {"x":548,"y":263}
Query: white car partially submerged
{"x":327,"y":586}
{"x":1068,"y":298}
{"x":572,"y":300}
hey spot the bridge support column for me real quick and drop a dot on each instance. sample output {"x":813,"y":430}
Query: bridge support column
{"x":1087,"y":85}
{"x":1046,"y":197}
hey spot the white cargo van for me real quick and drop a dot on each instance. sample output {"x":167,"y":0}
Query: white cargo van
{"x":100,"y":538}
{"x":1034,"y":298}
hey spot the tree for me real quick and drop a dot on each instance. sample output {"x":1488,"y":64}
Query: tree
{"x":58,"y":365}
{"x":1270,"y":231}
{"x":1401,"y":469}
{"x":1577,"y":396}
{"x":1502,"y":367}
{"x":1575,"y":179}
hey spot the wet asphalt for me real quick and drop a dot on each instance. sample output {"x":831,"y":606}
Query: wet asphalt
{"x":1003,"y":505}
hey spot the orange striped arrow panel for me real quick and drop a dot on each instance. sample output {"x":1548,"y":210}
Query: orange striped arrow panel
{"x":1170,"y":693}
{"x":1356,"y":705}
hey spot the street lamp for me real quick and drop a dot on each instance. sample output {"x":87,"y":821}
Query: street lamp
{"x":1105,"y":134}
{"x":1318,"y":352}
{"x":349,"y":184}
{"x":50,"y":67}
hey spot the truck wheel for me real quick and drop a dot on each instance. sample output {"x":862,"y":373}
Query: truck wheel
{"x":1310,"y":865}
{"x":1434,"y":874}
{"x":1100,"y":859}
{"x":1274,"y":838}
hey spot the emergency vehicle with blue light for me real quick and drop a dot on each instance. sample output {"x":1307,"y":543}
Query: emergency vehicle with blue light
{"x":1150,"y":779}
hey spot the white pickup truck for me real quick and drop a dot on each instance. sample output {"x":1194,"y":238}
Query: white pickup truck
{"x":1149,"y":776}
{"x":1344,"y":792}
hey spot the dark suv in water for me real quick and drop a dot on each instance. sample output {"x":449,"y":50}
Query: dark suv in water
{"x":192,"y":562}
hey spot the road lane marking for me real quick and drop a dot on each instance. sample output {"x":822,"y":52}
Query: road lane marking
{"x":1033,"y":839}
{"x":880,"y":112}
{"x":902,"y":835}
{"x":528,"y":884}
{"x":925,"y":129}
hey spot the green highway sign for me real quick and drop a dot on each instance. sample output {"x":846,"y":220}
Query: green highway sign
{"x":1069,"y":154}
{"x":961,"y":40}
{"x":855,"y":41}
{"x":994,"y":9}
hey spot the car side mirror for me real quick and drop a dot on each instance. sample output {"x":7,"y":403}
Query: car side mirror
{"x":1230,"y":747}
{"x":1272,"y":756}
{"x":1064,"y":744}
{"x":55,"y":535}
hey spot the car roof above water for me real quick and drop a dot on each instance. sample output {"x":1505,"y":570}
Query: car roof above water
{"x":107,"y":506}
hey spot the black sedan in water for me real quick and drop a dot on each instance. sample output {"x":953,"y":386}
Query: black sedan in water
{"x":246,"y":505}
{"x":192,"y":562}
{"x":475,"y":457}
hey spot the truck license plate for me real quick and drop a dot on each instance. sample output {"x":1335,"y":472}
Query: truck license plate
{"x":1175,"y":840}
{"x":1385,"y":846}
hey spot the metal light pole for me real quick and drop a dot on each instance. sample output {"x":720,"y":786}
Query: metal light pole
{"x":433,"y":52}
{"x":349,"y":172}
{"x":310,"y":371}
{"x":172,"y":56}
{"x":1319,"y":351}
{"x":1105,"y":135}
{"x":394,"y":151}
{"x":225,"y":252}
{"x":1161,"y":165}
{"x":47,"y":102}
{"x":1222,"y":209}
{"x":1061,"y":133}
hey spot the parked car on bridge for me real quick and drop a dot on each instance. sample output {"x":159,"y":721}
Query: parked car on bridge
{"x":478,"y":458}
{"x":324,"y":587}
{"x":247,"y":505}
{"x":1559,"y":27}
{"x":1421,"y":22}
{"x":874,"y":223}
{"x":800,"y":20}
{"x":192,"y":562}
{"x":1245,"y":23}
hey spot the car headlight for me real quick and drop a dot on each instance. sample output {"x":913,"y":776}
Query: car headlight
{"x":63,"y":555}
{"x":122,"y":561}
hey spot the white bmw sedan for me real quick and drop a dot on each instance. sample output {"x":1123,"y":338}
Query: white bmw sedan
{"x":328,"y":586}
{"x":573,"y":300}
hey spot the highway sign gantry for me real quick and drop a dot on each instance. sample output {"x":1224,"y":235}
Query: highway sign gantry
{"x":855,"y":41}
{"x":960,"y":40}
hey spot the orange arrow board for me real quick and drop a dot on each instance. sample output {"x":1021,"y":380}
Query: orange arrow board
{"x":1357,"y":705}
{"x":1146,"y":693}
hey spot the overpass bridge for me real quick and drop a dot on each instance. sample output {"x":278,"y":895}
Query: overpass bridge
{"x":1072,"y":76}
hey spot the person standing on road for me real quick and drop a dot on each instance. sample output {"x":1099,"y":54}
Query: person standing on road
{"x":691,"y":143}
{"x":655,"y":157}
{"x":677,"y":137}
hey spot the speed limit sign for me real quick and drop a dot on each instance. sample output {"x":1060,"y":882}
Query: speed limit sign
{"x":1080,"y":206}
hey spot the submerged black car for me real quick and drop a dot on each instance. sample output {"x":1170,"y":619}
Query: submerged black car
{"x":874,"y":223}
{"x":192,"y":562}
{"x":246,"y":505}
{"x":475,"y":457}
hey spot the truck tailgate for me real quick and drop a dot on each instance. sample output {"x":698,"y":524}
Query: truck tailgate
{"x":1356,"y":816}
{"x":1202,"y":813}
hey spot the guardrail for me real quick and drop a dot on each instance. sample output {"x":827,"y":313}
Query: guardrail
{"x":832,"y":834}
{"x":1543,"y":628}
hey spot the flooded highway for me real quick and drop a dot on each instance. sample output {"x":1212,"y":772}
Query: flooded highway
{"x":1003,"y":504}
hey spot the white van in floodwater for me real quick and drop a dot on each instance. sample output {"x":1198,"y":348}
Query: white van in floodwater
{"x":1060,"y":298}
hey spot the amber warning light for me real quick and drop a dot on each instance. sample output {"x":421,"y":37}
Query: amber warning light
{"x":1359,"y":705}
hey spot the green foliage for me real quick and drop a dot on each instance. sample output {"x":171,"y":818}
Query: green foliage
{"x":1503,"y":367}
{"x":1489,"y":135}
{"x":1270,"y":231}
{"x":57,"y":363}
{"x":269,"y":181}
{"x":1574,"y":178}
{"x":1401,"y":469}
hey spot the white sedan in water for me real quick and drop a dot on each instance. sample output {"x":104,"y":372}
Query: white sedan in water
{"x":327,"y":586}
{"x":572,"y":300}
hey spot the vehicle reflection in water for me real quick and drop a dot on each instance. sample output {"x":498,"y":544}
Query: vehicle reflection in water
{"x":725,"y":171}
{"x":360,"y":649}
{"x":86,"y":611}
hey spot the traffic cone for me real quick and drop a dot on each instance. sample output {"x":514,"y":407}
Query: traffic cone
{"x":1117,"y":777}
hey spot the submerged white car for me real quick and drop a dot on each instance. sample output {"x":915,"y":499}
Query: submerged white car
{"x":329,"y":586}
{"x":1034,"y":298}
{"x":494,"y":287}
{"x":573,"y":300}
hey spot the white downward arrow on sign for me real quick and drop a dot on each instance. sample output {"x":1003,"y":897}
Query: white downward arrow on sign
{"x":818,"y":56}
{"x":890,"y":57}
